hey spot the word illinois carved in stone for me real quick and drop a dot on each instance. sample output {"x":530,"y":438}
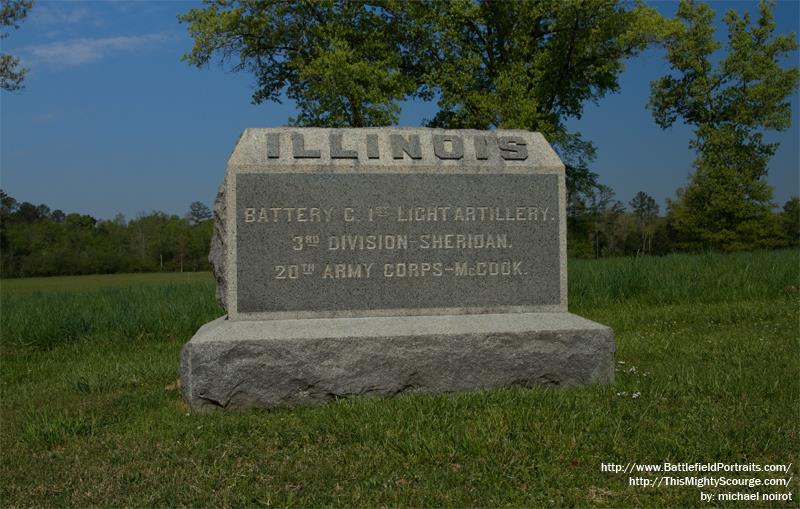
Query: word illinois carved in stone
{"x":373,"y":261}
{"x":373,"y":145}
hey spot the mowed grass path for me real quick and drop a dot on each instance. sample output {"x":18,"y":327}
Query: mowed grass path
{"x":707,"y":343}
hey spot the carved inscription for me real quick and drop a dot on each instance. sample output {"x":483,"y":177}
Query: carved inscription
{"x":400,"y":146}
{"x":330,"y":242}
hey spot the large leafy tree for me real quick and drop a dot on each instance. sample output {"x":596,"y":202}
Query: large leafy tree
{"x":12,"y":75}
{"x":730,"y":101}
{"x":533,"y":64}
{"x":344,"y":63}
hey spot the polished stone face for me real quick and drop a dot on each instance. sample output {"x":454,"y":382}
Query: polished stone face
{"x":389,"y":241}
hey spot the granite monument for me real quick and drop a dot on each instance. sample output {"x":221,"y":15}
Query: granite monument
{"x":382,"y":261}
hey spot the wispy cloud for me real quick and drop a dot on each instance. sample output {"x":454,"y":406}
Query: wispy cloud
{"x":51,"y":14}
{"x":75,"y":52}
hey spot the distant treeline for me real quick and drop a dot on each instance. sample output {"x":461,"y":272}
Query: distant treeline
{"x":38,"y":241}
{"x":600,"y":226}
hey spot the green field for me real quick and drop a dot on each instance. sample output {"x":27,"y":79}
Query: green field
{"x":72,"y":284}
{"x":708,"y":370}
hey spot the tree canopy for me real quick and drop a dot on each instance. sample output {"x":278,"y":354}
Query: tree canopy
{"x":35,"y":241}
{"x":12,"y":75}
{"x":730,"y":101}
{"x":531,"y":65}
{"x":198,"y":212}
{"x":534,"y":65}
{"x":343,"y":63}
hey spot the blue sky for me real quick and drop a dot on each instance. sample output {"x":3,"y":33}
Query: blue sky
{"x":112,"y":121}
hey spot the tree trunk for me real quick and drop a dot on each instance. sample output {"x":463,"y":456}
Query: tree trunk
{"x":358,"y":118}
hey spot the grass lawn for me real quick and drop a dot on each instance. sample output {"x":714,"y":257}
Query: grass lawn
{"x":708,"y":370}
{"x":72,"y":284}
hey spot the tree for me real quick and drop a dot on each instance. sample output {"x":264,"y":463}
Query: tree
{"x":8,"y":204}
{"x":533,"y":65}
{"x":730,"y":102}
{"x":604,"y":210}
{"x":594,"y":223}
{"x":12,"y":12}
{"x":178,"y":231}
{"x":199,"y":244}
{"x":28,"y":212}
{"x":791,"y":220}
{"x":645,"y":209}
{"x":345,"y":63}
{"x":198,"y":212}
{"x":58,"y":216}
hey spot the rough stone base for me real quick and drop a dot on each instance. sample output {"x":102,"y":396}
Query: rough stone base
{"x":238,"y":364}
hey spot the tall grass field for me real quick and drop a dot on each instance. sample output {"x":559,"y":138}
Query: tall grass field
{"x":707,"y":370}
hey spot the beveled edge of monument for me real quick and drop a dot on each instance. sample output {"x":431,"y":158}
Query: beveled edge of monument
{"x":223,"y":330}
{"x":249,"y":157}
{"x":398,"y":312}
{"x":250,"y":154}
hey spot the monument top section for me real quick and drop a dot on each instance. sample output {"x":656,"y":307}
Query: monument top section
{"x":376,"y":149}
